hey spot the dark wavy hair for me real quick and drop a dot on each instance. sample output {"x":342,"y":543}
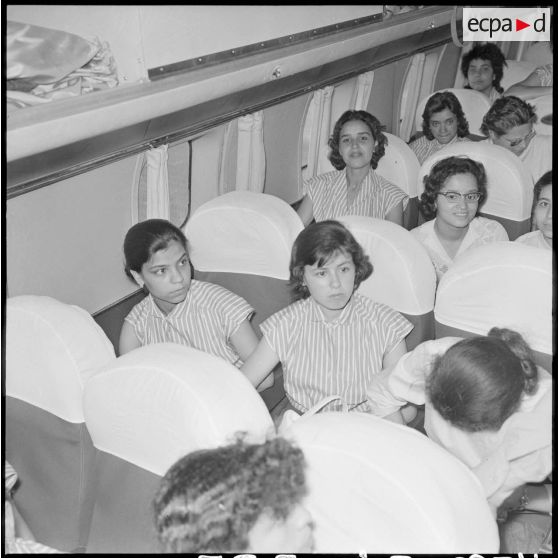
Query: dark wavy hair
{"x":490,"y":52}
{"x":375,"y":128}
{"x":478,"y":383}
{"x":440,"y":172}
{"x":147,"y":237}
{"x":507,"y":113}
{"x":437,"y":103}
{"x":210,"y":499}
{"x":317,"y":243}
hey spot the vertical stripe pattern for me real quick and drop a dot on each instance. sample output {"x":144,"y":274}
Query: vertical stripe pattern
{"x":205,"y":320}
{"x":376,"y":196}
{"x":423,"y":147}
{"x":323,"y":358}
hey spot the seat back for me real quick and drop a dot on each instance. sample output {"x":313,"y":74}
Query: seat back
{"x":400,"y":166}
{"x":242,"y":241}
{"x":474,"y":104}
{"x":50,"y":348}
{"x":403,"y":492}
{"x":505,"y":284}
{"x":403,"y":276}
{"x":543,"y":107}
{"x":144,"y":411}
{"x":509,"y":184}
{"x":516,"y":71}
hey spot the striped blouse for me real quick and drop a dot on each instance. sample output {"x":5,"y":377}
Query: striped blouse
{"x":423,"y":147}
{"x":205,"y":320}
{"x":376,"y":196}
{"x":322,"y":358}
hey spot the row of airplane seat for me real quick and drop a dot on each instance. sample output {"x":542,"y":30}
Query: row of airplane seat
{"x":90,"y":434}
{"x":144,"y":410}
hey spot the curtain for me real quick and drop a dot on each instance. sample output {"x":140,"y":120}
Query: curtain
{"x":158,"y":198}
{"x":250,"y":168}
{"x":362,"y":90}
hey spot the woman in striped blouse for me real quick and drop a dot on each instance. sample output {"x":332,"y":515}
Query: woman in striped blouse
{"x":332,"y":340}
{"x":179,"y":309}
{"x":443,"y":123}
{"x":357,"y":144}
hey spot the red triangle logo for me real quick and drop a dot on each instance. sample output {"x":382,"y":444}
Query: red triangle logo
{"x":519,"y":24}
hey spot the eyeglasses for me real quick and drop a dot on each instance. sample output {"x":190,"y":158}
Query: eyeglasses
{"x":454,"y":197}
{"x":515,"y":142}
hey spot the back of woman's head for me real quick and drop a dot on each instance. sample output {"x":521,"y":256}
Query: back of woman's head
{"x":479,"y":382}
{"x":490,"y":52}
{"x":147,"y":237}
{"x":376,"y":130}
{"x":440,"y":172}
{"x":316,"y":244}
{"x":209,"y":500}
{"x":437,"y":103}
{"x":507,"y":113}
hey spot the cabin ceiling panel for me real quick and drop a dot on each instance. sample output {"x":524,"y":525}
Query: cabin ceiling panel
{"x":182,"y":106}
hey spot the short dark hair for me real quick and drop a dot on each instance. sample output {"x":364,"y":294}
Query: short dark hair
{"x":507,"y":113}
{"x":147,"y":237}
{"x":478,"y":383}
{"x":440,"y":172}
{"x":316,"y":244}
{"x":490,"y":52}
{"x":437,"y":103}
{"x":210,"y":499}
{"x":375,"y":128}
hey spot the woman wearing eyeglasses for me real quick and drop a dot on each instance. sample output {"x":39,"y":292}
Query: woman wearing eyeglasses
{"x":509,"y":123}
{"x":453,"y":194}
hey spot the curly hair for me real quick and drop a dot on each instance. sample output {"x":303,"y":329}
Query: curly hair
{"x":490,"y":52}
{"x":478,"y":383}
{"x":507,"y":113}
{"x":437,"y":103}
{"x":317,"y":243}
{"x":147,"y":237}
{"x":440,"y":172}
{"x":209,"y":500}
{"x":375,"y":128}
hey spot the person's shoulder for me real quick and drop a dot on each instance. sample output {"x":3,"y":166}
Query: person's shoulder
{"x":291,"y":313}
{"x":541,"y":141}
{"x":203,"y":292}
{"x":423,"y":230}
{"x":140,"y":309}
{"x":370,"y":308}
{"x":487,"y":224}
{"x":324,"y":177}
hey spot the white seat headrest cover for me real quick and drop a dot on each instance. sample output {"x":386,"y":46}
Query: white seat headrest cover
{"x":243,"y":232}
{"x":379,"y":487}
{"x":399,"y":165}
{"x":157,"y":403}
{"x":509,"y":184}
{"x":504,"y":284}
{"x":403,"y":275}
{"x":50,"y":348}
{"x":474,"y":104}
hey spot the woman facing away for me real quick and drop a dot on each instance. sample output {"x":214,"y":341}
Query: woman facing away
{"x":541,"y":215}
{"x":357,"y":144}
{"x":483,"y":68}
{"x":454,"y":192}
{"x":486,"y":402}
{"x":509,"y":123}
{"x":443,"y":123}
{"x":240,"y":497}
